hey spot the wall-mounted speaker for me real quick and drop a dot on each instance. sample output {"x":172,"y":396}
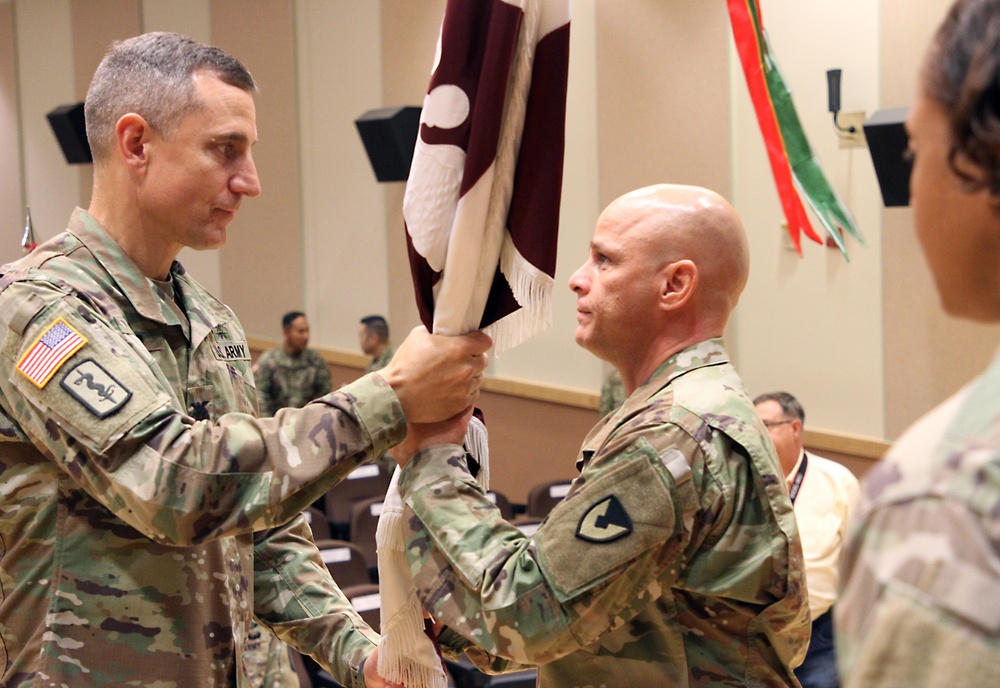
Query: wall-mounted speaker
{"x":68,"y":125}
{"x":389,"y":135}
{"x":887,"y":142}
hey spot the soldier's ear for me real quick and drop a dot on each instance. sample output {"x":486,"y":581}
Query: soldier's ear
{"x":678,"y":281}
{"x":132,"y":139}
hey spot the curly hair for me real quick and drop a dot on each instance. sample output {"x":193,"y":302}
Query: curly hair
{"x":962,"y":72}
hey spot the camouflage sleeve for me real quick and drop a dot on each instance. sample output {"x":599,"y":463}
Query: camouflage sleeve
{"x":264,"y":377}
{"x":607,"y":546}
{"x":921,"y":605}
{"x":920,"y":602}
{"x":116,"y":427}
{"x":297,"y":599}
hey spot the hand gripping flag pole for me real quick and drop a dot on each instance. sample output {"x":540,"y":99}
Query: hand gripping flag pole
{"x":482,"y":212}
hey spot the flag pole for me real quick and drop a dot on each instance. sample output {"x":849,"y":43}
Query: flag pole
{"x":28,"y":242}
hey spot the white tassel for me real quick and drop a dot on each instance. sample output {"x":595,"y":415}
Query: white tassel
{"x":477,"y":444}
{"x":406,"y":654}
{"x":533,"y":290}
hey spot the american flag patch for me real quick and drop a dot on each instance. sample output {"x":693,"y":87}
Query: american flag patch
{"x":53,"y":348}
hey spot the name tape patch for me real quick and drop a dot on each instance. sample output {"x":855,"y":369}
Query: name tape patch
{"x":229,"y":350}
{"x":53,"y":347}
{"x":226,"y":348}
{"x":94,"y":387}
{"x":606,"y":521}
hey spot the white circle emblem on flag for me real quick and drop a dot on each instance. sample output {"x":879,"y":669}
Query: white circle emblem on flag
{"x":435,"y":176}
{"x":445,"y":107}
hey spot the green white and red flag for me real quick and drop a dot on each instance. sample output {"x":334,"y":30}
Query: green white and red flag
{"x":794,"y":166}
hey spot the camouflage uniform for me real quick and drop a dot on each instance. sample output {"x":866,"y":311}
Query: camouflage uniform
{"x":283,"y":381}
{"x":612,"y":393}
{"x":147,"y":515}
{"x":286,"y":381}
{"x":380,"y":362}
{"x":673,"y":561}
{"x":920,"y":604}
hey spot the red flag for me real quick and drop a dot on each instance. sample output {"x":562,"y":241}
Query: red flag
{"x":482,"y":200}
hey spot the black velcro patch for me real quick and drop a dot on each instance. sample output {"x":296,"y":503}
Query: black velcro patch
{"x":94,"y":387}
{"x":605,"y":521}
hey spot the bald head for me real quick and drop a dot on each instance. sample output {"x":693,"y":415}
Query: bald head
{"x":666,"y":268}
{"x":688,"y":223}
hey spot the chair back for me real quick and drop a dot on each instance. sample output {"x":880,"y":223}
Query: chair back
{"x":364,"y":524}
{"x":318,"y":524}
{"x":365,"y":600}
{"x":369,"y":480}
{"x":544,"y":496}
{"x":345,"y":562}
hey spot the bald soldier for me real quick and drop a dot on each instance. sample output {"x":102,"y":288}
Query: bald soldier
{"x":148,"y":515}
{"x":674,"y":560}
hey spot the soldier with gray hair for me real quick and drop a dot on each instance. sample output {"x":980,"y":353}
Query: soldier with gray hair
{"x":674,"y":560}
{"x":148,"y":515}
{"x":921,"y":598}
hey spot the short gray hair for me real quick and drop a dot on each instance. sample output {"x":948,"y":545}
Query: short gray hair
{"x":151,"y":75}
{"x":790,"y":406}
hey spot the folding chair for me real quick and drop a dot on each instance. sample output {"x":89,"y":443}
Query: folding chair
{"x":544,"y":496}
{"x":345,"y":562}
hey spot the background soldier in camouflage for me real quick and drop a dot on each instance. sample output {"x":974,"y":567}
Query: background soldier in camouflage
{"x":612,"y":393}
{"x":674,"y":560}
{"x":291,"y":375}
{"x":921,"y":599}
{"x":373,"y":336}
{"x":148,"y":516}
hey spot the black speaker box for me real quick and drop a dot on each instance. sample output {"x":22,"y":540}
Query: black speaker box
{"x":68,"y":125}
{"x":887,"y":141}
{"x":389,"y":135}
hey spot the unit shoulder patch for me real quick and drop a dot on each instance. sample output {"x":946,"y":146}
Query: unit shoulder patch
{"x":94,"y":387}
{"x":605,"y":521}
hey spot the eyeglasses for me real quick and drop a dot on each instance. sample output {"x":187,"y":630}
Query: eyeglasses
{"x":775,"y":423}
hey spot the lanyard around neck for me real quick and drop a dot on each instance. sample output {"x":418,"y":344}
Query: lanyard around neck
{"x":793,"y":491}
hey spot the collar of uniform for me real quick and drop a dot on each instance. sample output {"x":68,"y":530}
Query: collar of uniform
{"x":707,"y":353}
{"x":204,"y":311}
{"x":116,"y":263}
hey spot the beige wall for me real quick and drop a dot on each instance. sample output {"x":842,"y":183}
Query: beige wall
{"x":343,"y":206}
{"x":813,"y":325}
{"x":929,"y":355}
{"x":664,"y":90}
{"x":655,"y":95}
{"x":262,"y":263}
{"x":45,"y":77}
{"x":11,"y":200}
{"x":95,"y":24}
